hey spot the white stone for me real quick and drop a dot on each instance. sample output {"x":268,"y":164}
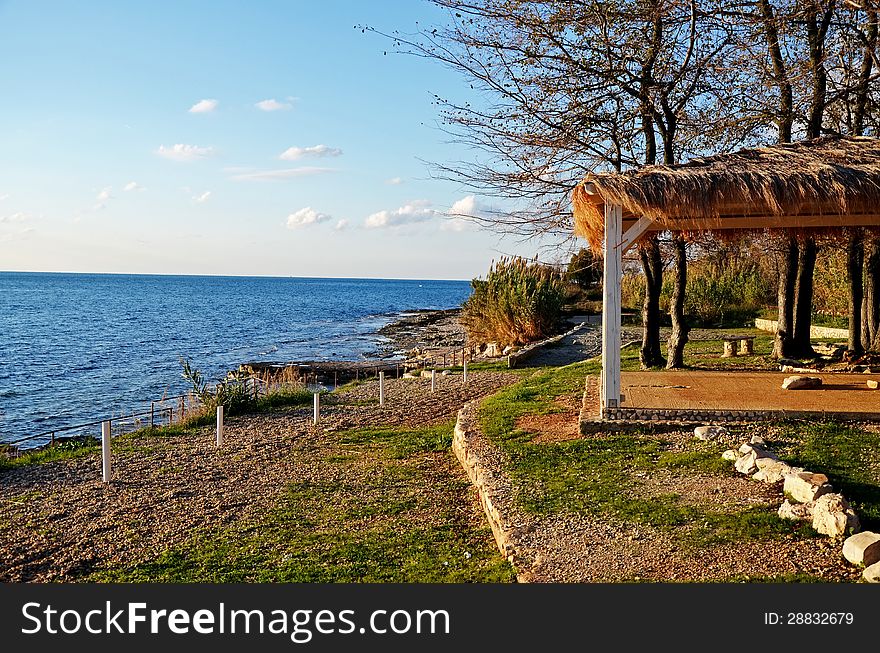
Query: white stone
{"x":832,"y":516}
{"x":862,"y":548}
{"x":771,"y":471}
{"x":759,"y":452}
{"x":873,"y":384}
{"x":708,"y":433}
{"x":745,"y":464}
{"x":757,"y":439}
{"x":796,"y":511}
{"x":805,"y":486}
{"x":801,"y":383}
{"x":872,"y":573}
{"x":730,"y":455}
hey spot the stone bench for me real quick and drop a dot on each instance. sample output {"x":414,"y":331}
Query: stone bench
{"x":746,"y":346}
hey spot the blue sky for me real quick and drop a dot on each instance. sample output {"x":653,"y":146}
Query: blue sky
{"x":259,"y":138}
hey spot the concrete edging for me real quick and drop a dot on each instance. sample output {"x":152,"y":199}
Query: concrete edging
{"x":474,"y":453}
{"x":815,"y":331}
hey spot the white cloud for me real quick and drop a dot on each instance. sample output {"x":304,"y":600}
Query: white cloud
{"x":394,"y":181}
{"x":279,"y":175}
{"x":14,"y":218}
{"x":102,"y":198}
{"x":273,"y":105}
{"x":4,"y":196}
{"x":341,"y":225}
{"x":204,"y":106}
{"x":305,"y":217}
{"x":294,"y":153}
{"x":133,"y":186}
{"x":414,"y":212}
{"x":182,"y":152}
{"x":204,"y":197}
{"x":462,"y":215}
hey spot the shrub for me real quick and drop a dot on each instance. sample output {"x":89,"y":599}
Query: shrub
{"x":518,"y":302}
{"x":231,"y":392}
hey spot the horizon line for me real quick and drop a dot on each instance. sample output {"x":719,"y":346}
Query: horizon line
{"x":233,"y":276}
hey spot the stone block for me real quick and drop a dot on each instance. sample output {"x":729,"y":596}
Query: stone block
{"x":709,"y":433}
{"x":806,"y":486}
{"x":832,"y":516}
{"x":862,"y":548}
{"x":801,"y":383}
{"x":796,"y":511}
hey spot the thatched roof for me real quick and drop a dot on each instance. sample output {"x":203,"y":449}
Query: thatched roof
{"x":826,"y":182}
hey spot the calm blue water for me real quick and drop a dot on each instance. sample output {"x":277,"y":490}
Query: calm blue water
{"x":78,"y":347}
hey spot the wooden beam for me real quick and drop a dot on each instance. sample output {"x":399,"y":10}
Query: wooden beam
{"x":611,"y":278}
{"x":633,"y":232}
{"x":763,"y":222}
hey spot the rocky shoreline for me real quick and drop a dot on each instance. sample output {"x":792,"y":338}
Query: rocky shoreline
{"x":412,"y":332}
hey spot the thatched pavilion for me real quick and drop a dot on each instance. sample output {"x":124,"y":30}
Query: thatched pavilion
{"x":823,"y":183}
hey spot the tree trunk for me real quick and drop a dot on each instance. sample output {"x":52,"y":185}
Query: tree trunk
{"x":871,"y":300}
{"x":855,"y":261}
{"x":784,"y":345}
{"x":803,"y":306}
{"x":679,"y":337}
{"x":651,"y":353}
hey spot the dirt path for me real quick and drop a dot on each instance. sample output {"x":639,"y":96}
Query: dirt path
{"x":60,"y":523}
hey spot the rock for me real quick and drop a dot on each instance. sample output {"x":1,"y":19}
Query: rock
{"x":757,"y":439}
{"x":832,"y":516}
{"x":508,"y":350}
{"x":745,"y":464}
{"x":709,"y":433}
{"x":872,"y":573}
{"x":771,"y":471}
{"x":408,"y":375}
{"x":759,"y":452}
{"x":804,"y":487}
{"x":873,"y":384}
{"x":493,"y":349}
{"x":862,"y":548}
{"x":445,"y":373}
{"x":801,"y":383}
{"x":796,"y":511}
{"x":730,"y":455}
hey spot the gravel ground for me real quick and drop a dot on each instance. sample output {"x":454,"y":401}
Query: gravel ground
{"x":60,"y":523}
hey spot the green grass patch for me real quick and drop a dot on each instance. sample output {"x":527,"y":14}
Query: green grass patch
{"x":402,"y":442}
{"x":604,"y":475}
{"x":59,"y":451}
{"x":387,"y":510}
{"x":284,"y":399}
{"x":848,"y":455}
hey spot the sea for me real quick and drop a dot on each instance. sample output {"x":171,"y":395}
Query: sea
{"x":81,"y":347}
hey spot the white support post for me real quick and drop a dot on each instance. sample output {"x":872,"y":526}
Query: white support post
{"x":317,"y":417}
{"x":219,"y":426}
{"x":105,"y":451}
{"x":613,"y":271}
{"x":464,"y":373}
{"x":433,"y":380}
{"x":381,"y":388}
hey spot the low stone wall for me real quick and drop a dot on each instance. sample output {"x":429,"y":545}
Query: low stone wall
{"x":815,"y":331}
{"x":478,"y":457}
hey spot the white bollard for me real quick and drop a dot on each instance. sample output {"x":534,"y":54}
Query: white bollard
{"x":317,"y":407}
{"x":381,"y":388}
{"x":105,"y":450}
{"x":464,"y":373}
{"x":433,"y":380}
{"x":219,"y":426}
